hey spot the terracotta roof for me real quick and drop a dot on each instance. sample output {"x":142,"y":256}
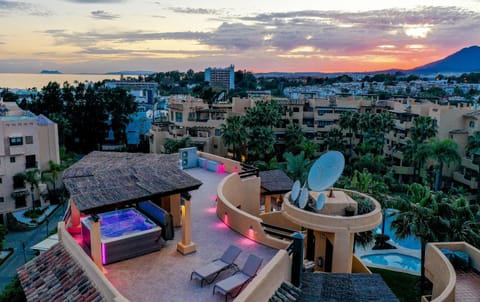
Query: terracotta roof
{"x":275,"y":181}
{"x":102,"y":180}
{"x":55,"y":276}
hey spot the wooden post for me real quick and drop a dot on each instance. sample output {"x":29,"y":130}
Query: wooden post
{"x":175,"y":210}
{"x":96,"y":244}
{"x":268,"y":202}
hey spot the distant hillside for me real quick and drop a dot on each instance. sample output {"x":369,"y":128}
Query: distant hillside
{"x":464,"y":61}
{"x":50,"y":72}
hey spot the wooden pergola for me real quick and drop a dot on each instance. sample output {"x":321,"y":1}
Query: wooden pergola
{"x":104,"y":181}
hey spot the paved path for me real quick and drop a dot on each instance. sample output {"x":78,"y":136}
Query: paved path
{"x":8,"y":270}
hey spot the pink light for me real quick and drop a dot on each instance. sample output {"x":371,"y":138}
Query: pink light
{"x":213,"y":198}
{"x":104,"y":254}
{"x":221,"y":169}
{"x":225,"y":218}
{"x":235,"y":170}
{"x":211,"y":210}
{"x":251,"y":233}
{"x":246,"y":241}
{"x":221,"y":225}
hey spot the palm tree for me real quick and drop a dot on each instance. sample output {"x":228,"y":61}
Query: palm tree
{"x":293,"y":138}
{"x":54,"y":172}
{"x":418,"y":216}
{"x":310,"y":148}
{"x":297,"y":166}
{"x":349,"y":121}
{"x":234,"y":134}
{"x":417,"y":154}
{"x":32,"y":177}
{"x":261,"y":142}
{"x":424,"y":128}
{"x":334,"y":140}
{"x":443,"y":152}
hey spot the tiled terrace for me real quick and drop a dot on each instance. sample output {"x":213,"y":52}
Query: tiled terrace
{"x":467,"y":288}
{"x":165,"y":275}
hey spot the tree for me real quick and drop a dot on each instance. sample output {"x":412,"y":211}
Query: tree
{"x":293,"y":138}
{"x":416,"y":153}
{"x":264,"y":114}
{"x":32,"y":177}
{"x":261,"y":141}
{"x":418,"y":216}
{"x":334,"y":140}
{"x":309,"y":148}
{"x":424,"y":128}
{"x":443,"y":152}
{"x":3,"y":233}
{"x":297,"y":166}
{"x":472,"y":148}
{"x":234,"y":134}
{"x":53,"y":171}
{"x":120,"y":104}
{"x":349,"y":121}
{"x":172,"y":145}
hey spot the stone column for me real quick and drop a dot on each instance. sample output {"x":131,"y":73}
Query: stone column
{"x":342,"y":252}
{"x":186,"y":246}
{"x":175,"y":210}
{"x":96,"y":244}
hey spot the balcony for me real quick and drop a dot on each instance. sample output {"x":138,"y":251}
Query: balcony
{"x":17,"y":150}
{"x":470,"y":182}
{"x":403,"y":170}
{"x":468,"y":163}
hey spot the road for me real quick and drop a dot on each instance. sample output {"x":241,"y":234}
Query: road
{"x":8,"y":270}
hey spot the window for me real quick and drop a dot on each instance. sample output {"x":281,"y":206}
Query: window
{"x":16,"y":141}
{"x":296,"y":109}
{"x":28,"y":140}
{"x":179,"y":117}
{"x":0,"y":180}
{"x":30,"y":162}
{"x":12,"y":159}
{"x":471,"y":124}
{"x":218,"y":132}
{"x":2,"y":199}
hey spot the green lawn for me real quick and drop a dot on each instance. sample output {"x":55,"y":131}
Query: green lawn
{"x":403,"y":285}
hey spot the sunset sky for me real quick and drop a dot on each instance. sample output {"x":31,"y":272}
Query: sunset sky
{"x":83,"y":36}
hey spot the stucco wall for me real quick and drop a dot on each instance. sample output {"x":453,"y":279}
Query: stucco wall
{"x":108,"y":291}
{"x":230,"y":165}
{"x":268,"y":279}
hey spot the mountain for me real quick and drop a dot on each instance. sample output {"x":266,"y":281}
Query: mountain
{"x":463,"y":61}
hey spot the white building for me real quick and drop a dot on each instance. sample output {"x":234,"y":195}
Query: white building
{"x":27,"y":141}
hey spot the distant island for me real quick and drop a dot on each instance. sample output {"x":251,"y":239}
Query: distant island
{"x":50,"y":72}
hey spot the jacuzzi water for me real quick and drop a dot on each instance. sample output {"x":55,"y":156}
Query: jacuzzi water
{"x":410,"y":242}
{"x":123,"y":222}
{"x":395,"y":260}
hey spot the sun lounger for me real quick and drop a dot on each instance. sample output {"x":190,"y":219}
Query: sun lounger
{"x":236,"y":282}
{"x":210,"y":272}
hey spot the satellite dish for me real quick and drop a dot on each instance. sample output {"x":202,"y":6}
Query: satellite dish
{"x":320,"y":202}
{"x":302,"y":200}
{"x":325,"y":171}
{"x":295,"y":191}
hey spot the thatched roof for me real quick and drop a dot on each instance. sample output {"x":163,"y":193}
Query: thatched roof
{"x":275,"y":181}
{"x":102,"y":180}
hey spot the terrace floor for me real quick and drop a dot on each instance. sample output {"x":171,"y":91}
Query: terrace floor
{"x":165,"y":275}
{"x":467,"y":288}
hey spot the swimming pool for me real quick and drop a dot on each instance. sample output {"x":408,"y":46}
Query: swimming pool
{"x":410,"y":242}
{"x":394,"y":260}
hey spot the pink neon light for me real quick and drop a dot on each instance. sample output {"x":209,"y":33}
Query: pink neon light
{"x":221,"y":169}
{"x":221,"y":225}
{"x":225,"y":219}
{"x":211,"y":210}
{"x":251,"y":233}
{"x":246,"y":241}
{"x":213,"y":198}
{"x":235,"y":170}
{"x":104,"y":254}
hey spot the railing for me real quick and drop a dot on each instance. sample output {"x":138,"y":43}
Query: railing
{"x":248,"y":171}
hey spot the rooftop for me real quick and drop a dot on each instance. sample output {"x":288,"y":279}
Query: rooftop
{"x":105,"y":180}
{"x":275,"y":181}
{"x":165,"y":274}
{"x":55,"y":276}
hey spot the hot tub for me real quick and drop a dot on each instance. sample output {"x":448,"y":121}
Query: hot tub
{"x":120,"y":231}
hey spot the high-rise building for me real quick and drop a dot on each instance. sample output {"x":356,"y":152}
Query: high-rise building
{"x":221,"y":78}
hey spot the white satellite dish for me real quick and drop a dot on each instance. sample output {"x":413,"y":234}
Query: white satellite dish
{"x":302,"y":200}
{"x":295,"y":191}
{"x":320,"y":202}
{"x":325,"y":171}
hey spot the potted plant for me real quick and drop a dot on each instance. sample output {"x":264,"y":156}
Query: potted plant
{"x":349,"y":210}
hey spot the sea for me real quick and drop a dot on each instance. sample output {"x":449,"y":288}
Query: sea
{"x":39,"y":80}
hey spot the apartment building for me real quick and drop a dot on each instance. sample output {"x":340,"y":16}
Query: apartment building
{"x":144,"y":92}
{"x":28,"y":141}
{"x":221,"y":78}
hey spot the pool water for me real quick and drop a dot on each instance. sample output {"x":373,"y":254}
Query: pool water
{"x":122,"y":222}
{"x":395,"y":260}
{"x":410,"y":242}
